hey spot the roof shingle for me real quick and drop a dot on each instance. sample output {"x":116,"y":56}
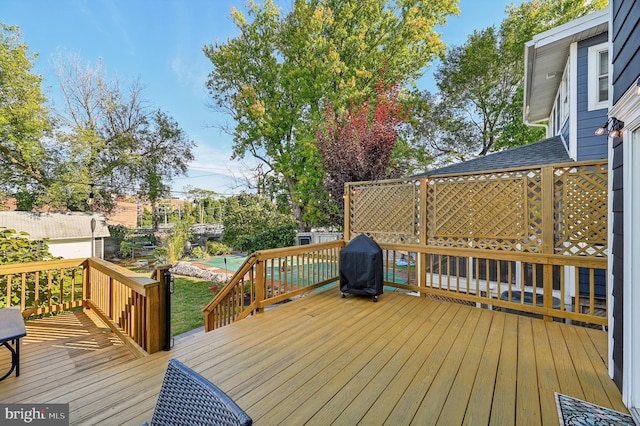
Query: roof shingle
{"x":547,"y":151}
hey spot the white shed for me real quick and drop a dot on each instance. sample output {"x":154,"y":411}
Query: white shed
{"x":70,"y":235}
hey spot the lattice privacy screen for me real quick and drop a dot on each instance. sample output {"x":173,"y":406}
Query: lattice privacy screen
{"x":581,"y":210}
{"x":388,"y":211}
{"x":501,"y":210}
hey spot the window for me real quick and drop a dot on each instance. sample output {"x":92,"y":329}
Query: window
{"x":560,"y":109}
{"x":564,"y":96}
{"x":598,"y":81}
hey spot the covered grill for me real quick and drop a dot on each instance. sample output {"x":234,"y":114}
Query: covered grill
{"x":361,"y":268}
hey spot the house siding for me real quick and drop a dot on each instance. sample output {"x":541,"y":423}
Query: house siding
{"x":590,"y":146}
{"x":626,"y":53}
{"x":617,"y":251}
{"x":625,"y":57}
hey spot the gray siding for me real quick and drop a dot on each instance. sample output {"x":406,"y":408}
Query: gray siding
{"x":626,"y":49}
{"x":590,"y":146}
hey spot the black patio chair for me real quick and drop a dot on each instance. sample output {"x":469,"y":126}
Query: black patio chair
{"x":186,"y":398}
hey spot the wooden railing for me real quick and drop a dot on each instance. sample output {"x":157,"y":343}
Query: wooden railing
{"x":272,"y":276}
{"x":130,"y":303}
{"x":552,"y":286}
{"x":42,"y":287}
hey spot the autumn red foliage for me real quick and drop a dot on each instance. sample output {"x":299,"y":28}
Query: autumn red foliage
{"x":358,"y":144}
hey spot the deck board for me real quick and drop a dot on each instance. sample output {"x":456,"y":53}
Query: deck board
{"x":61,"y":346}
{"x":546,"y":373}
{"x":528,"y":403}
{"x":503,"y":408}
{"x":325,"y":360}
{"x":467,"y":372}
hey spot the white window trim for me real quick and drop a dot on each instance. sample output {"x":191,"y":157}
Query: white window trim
{"x":592,"y":80}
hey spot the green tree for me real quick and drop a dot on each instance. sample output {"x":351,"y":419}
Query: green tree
{"x":475,"y":82}
{"x":253,"y":223}
{"x":98,"y":124}
{"x":478,"y":108}
{"x":206,"y":205}
{"x":111,"y":140}
{"x":15,"y":247}
{"x":161,"y":153}
{"x":274,"y":78}
{"x":24,"y":118}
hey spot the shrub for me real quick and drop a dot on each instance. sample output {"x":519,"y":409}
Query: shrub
{"x":197,"y":253}
{"x":161,"y":255}
{"x":125,"y":248}
{"x":16,"y":247}
{"x":215,"y":248}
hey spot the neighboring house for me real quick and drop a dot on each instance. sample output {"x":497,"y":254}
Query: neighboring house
{"x":125,"y":214}
{"x":70,"y":235}
{"x":624,"y":203}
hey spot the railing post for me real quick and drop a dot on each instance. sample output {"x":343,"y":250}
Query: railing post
{"x":548,"y":236}
{"x":166,"y":289}
{"x":158,"y":313}
{"x":153,"y":323}
{"x":424,"y":240}
{"x":347,"y":212}
{"x":86,"y":285}
{"x":260,"y":285}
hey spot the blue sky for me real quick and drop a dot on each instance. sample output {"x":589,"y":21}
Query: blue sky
{"x":160,"y":42}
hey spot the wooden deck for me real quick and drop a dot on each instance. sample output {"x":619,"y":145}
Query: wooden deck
{"x":61,"y":346}
{"x":326,"y":360}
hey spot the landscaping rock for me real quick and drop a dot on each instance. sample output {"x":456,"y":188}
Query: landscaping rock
{"x":191,"y":270}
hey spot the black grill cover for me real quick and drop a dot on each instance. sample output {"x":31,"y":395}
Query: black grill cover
{"x":361,"y":267}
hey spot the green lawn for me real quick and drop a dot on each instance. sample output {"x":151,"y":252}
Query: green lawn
{"x":189,"y":296}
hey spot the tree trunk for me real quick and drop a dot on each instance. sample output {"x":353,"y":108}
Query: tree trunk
{"x":296,"y":207}
{"x":155,"y":217}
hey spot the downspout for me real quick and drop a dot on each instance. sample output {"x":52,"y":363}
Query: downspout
{"x":544,"y":126}
{"x":530,"y":124}
{"x":529,"y":48}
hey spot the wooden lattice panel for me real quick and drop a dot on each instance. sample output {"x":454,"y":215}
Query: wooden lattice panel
{"x":386,"y":211}
{"x":581,"y":210}
{"x":490,"y":211}
{"x":501,"y":210}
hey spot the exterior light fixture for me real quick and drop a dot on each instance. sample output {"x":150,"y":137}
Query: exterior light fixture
{"x":612,"y":126}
